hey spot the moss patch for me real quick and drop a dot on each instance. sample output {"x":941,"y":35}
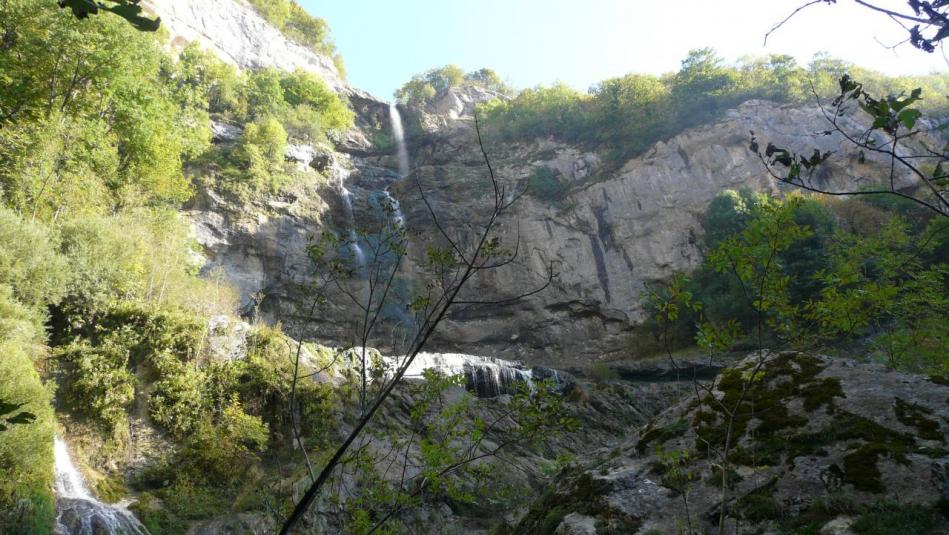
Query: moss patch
{"x":585,"y":495}
{"x":111,"y":489}
{"x":765,"y":404}
{"x":885,"y":518}
{"x":916,"y":416}
{"x":661,"y":434}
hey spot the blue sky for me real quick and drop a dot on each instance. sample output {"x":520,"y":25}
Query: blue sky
{"x":580,"y":42}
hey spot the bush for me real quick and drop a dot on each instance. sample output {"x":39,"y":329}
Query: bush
{"x":29,"y":263}
{"x":545,"y":184}
{"x":177,"y":402}
{"x":26,"y":451}
{"x":212,"y":451}
{"x":97,"y":381}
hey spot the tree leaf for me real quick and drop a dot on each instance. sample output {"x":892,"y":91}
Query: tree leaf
{"x":909,"y":117}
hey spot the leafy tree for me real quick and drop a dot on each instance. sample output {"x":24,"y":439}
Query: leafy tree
{"x":895,"y":118}
{"x":926,"y":21}
{"x":92,"y":97}
{"x":422,"y":88}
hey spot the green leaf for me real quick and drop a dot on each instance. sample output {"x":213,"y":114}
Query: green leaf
{"x":909,"y":117}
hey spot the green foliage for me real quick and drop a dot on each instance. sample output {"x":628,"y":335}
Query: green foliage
{"x":422,"y":88}
{"x":140,"y":256}
{"x":26,"y":449}
{"x":91,"y":121}
{"x":627,"y":115}
{"x":545,"y":184}
{"x":30,"y":264}
{"x":891,"y":517}
{"x":881,"y":283}
{"x":213,"y":449}
{"x":177,"y":402}
{"x":207,"y":82}
{"x":99,"y":384}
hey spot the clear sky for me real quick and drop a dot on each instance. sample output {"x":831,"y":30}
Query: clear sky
{"x":531,"y":42}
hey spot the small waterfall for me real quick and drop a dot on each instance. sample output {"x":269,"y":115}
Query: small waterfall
{"x":399,"y":133}
{"x":358,"y":254}
{"x":487,"y":377}
{"x":77,"y":512}
{"x":397,"y":214}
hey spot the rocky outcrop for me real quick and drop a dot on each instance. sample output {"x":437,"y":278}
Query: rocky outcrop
{"x":240,"y":36}
{"x":813,"y":428}
{"x":612,"y":232}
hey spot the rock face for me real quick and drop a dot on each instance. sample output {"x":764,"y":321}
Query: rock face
{"x":614,"y":231}
{"x":819,"y":428}
{"x":241,"y":37}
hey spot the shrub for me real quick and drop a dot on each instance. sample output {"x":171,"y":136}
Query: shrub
{"x":98,"y":382}
{"x":29,"y":263}
{"x":545,"y":184}
{"x":26,"y":451}
{"x":177,"y":402}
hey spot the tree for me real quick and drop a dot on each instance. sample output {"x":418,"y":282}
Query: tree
{"x":452,"y":267}
{"x":894,"y":137}
{"x":925,"y":21}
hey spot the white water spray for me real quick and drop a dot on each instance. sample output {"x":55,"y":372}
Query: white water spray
{"x":77,"y":512}
{"x":399,"y":133}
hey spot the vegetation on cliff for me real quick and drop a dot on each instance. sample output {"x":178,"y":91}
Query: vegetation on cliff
{"x":623,"y":117}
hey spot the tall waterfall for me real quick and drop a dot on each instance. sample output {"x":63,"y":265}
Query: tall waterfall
{"x":77,"y":512}
{"x":399,"y":133}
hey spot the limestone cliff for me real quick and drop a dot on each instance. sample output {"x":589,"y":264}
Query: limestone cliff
{"x":240,"y":36}
{"x":613,"y":232}
{"x":616,"y":229}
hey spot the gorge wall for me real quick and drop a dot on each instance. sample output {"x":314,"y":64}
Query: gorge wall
{"x":615,"y":231}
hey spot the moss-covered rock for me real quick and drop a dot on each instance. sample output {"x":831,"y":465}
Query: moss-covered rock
{"x":784,"y":435}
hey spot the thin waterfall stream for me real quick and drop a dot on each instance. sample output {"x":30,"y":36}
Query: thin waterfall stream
{"x":398,"y":133}
{"x":78,"y":512}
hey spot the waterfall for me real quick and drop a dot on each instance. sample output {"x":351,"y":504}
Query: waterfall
{"x":358,"y":254}
{"x":77,"y":512}
{"x":397,"y":215}
{"x":487,"y":377}
{"x":399,"y":133}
